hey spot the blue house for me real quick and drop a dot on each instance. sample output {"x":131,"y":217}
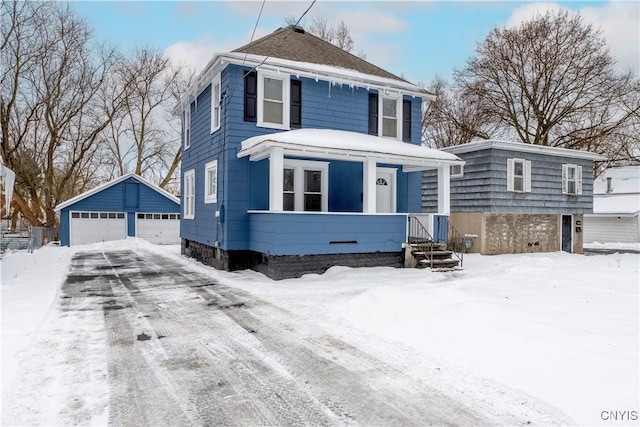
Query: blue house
{"x":126,"y":206}
{"x":298,"y":156}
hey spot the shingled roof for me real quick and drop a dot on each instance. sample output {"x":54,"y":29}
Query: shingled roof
{"x":295,"y":44}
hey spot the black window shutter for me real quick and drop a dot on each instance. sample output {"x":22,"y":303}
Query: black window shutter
{"x":406,"y":121}
{"x":296,"y":104}
{"x":373,"y":114}
{"x":250,"y":97}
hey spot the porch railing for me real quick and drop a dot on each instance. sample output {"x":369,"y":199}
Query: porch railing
{"x":456,"y":243}
{"x":418,"y":234}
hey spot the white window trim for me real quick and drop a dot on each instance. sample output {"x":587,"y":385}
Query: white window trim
{"x":526,"y":170}
{"x":215,"y":104}
{"x":565,"y":179}
{"x":210,"y":198}
{"x":189,"y":194}
{"x":456,"y":175}
{"x":286,"y":99}
{"x":398,"y":99}
{"x":187,"y":127}
{"x":299,"y":166}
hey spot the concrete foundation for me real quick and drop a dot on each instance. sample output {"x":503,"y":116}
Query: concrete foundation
{"x":505,"y":233}
{"x":286,"y":266}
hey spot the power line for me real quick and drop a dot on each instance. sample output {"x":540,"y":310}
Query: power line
{"x":254,"y":29}
{"x":281,"y":41}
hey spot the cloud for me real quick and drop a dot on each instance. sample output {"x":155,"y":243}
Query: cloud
{"x":197,"y":54}
{"x":618,"y":21}
{"x":193,"y":54}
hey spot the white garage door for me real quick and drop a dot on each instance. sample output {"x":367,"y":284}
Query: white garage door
{"x":92,"y":227}
{"x":159,"y":228}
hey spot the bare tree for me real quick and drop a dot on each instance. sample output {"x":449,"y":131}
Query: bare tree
{"x":452,"y":119}
{"x":141,"y":138}
{"x":320,"y":28}
{"x":340,"y":35}
{"x":53,"y":104}
{"x":552,"y":81}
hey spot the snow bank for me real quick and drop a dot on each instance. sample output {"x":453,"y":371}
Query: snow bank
{"x":30,"y":283}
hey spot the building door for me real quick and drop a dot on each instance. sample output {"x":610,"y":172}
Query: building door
{"x":567,"y":243}
{"x":92,"y":227}
{"x":385,"y":190}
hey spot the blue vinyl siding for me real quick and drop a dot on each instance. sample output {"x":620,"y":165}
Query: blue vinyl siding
{"x":244,"y":185}
{"x":306,"y":234}
{"x":119,"y":198}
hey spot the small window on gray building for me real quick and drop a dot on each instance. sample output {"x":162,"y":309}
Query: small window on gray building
{"x":456,"y":171}
{"x":519,"y":175}
{"x":571,"y":179}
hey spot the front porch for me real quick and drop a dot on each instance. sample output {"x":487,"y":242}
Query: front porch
{"x":305,"y":230}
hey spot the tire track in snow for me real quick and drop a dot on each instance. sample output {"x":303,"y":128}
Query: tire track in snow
{"x":345,"y":382}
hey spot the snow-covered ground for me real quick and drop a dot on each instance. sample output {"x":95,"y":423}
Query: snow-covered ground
{"x":550,"y":329}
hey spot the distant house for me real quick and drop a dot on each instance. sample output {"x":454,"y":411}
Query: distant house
{"x":616,"y":207}
{"x":126,"y":206}
{"x":514,"y":198}
{"x":298,"y":156}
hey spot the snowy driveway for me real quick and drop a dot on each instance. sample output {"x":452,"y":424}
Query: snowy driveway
{"x":181,"y":349}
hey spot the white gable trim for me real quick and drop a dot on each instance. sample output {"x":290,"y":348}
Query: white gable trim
{"x":524,"y":148}
{"x":99,"y":188}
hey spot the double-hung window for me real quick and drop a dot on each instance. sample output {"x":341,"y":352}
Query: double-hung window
{"x":186,"y":117}
{"x":571,"y":179}
{"x":215,"y":104}
{"x":519,"y":175}
{"x":389,"y":118}
{"x":189,"y":190}
{"x":273,"y":97}
{"x":211,"y":182}
{"x":385,"y":117}
{"x":305,"y":186}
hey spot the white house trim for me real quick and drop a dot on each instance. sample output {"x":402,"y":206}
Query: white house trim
{"x":112,"y":183}
{"x":524,"y":148}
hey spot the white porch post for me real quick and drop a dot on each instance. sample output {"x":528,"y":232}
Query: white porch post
{"x":276,"y":184}
{"x":444,"y":190}
{"x":369,"y":186}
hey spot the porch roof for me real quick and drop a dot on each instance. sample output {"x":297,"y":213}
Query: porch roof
{"x":346,"y":146}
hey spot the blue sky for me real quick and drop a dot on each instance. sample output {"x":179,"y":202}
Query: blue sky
{"x":415,"y":39}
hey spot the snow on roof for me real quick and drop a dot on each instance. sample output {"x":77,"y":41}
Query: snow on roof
{"x":522,"y":147}
{"x":624,"y":180}
{"x":616,"y":203}
{"x":99,"y":188}
{"x":345,"y":145}
{"x":333,"y":74}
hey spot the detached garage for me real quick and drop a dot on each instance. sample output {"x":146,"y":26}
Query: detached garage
{"x":126,"y":206}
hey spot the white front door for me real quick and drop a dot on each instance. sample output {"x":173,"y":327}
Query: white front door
{"x":385,"y":190}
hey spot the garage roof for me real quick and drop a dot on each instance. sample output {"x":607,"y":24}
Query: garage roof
{"x":98,"y":189}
